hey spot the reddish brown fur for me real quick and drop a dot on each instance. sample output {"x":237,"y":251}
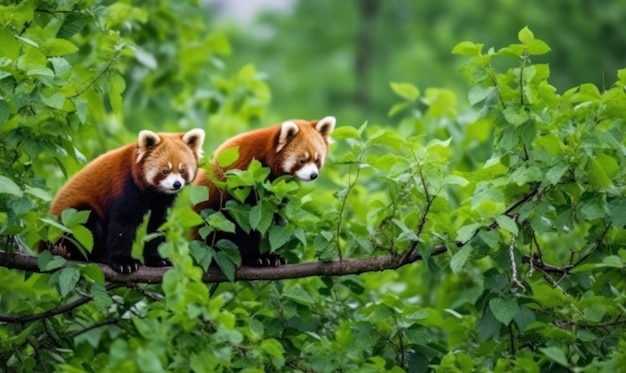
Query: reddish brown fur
{"x":102,"y":180}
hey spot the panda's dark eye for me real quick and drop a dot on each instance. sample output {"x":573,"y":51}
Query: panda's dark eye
{"x":182,"y":172}
{"x":302,"y":161}
{"x":165,"y":172}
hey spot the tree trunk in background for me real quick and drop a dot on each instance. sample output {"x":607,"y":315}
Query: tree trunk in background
{"x":364,"y":43}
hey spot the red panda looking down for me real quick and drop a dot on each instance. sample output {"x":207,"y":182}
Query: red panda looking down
{"x":295,"y":147}
{"x":121,"y":186}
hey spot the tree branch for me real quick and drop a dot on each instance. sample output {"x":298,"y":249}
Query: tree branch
{"x":154,"y":275}
{"x":55,"y":311}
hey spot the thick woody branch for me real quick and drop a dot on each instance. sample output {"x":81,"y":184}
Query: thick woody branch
{"x":155,"y":275}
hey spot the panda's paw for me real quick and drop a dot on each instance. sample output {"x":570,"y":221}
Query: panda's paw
{"x":270,"y":260}
{"x":124,"y":265}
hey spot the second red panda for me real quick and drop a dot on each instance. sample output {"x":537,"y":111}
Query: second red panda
{"x":294,"y":147}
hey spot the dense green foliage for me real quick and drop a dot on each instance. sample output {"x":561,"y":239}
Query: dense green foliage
{"x":527,"y":192}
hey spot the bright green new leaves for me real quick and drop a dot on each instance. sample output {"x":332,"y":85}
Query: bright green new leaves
{"x":534,"y":46}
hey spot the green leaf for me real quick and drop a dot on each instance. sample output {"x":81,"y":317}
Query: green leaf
{"x":524,"y":317}
{"x":55,"y":101}
{"x":467,"y":48}
{"x":467,"y":231}
{"x":39,"y":193}
{"x":537,"y":47}
{"x":406,"y":90}
{"x":219,"y":221}
{"x":57,"y":47}
{"x":48,"y":262}
{"x":299,"y":295}
{"x":230,"y":249}
{"x":198,"y":193}
{"x":460,"y":258}
{"x":346,"y":132}
{"x":273,"y":348}
{"x":597,"y":176}
{"x":83,"y":236}
{"x":228,"y":156}
{"x":10,"y":46}
{"x":199,"y":251}
{"x":226,"y":265}
{"x":118,"y":85}
{"x":479,"y":93}
{"x":507,"y":224}
{"x":149,"y":361}
{"x":554,"y":174}
{"x":525,"y":35}
{"x":488,"y":326}
{"x":72,"y":217}
{"x":617,"y":212}
{"x":515,"y":115}
{"x":101,"y":297}
{"x":261,"y":217}
{"x":503,"y":309}
{"x":407,"y":233}
{"x":555,"y":354}
{"x":7,"y":186}
{"x":56,"y":224}
{"x":73,"y":23}
{"x":278,"y":236}
{"x":92,"y":272}
{"x":68,"y":279}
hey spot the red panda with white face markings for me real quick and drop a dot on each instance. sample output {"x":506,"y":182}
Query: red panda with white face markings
{"x":295,"y":147}
{"x":121,"y":186}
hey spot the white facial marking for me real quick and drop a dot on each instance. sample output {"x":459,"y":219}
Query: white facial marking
{"x":172,"y":184}
{"x":288,"y":163}
{"x":151,"y":174}
{"x":308,"y":172}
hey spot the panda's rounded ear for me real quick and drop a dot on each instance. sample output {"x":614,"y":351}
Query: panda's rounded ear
{"x":287,"y":131}
{"x":195,"y":138}
{"x":325,"y":126}
{"x":146,"y":141}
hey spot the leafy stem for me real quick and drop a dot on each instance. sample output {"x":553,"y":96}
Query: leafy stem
{"x":342,"y":207}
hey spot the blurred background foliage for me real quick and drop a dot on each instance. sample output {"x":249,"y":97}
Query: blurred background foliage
{"x":339,"y":56}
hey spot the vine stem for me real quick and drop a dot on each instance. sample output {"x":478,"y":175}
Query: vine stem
{"x":100,"y":74}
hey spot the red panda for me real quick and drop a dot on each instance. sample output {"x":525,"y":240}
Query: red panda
{"x":295,"y":147}
{"x":121,"y":186}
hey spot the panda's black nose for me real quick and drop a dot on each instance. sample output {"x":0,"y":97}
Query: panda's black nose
{"x":177,"y":185}
{"x":313,"y":176}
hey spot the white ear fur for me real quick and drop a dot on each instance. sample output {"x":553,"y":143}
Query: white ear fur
{"x":146,"y":140}
{"x":326,"y":125}
{"x":195,"y":138}
{"x":287,"y":131}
